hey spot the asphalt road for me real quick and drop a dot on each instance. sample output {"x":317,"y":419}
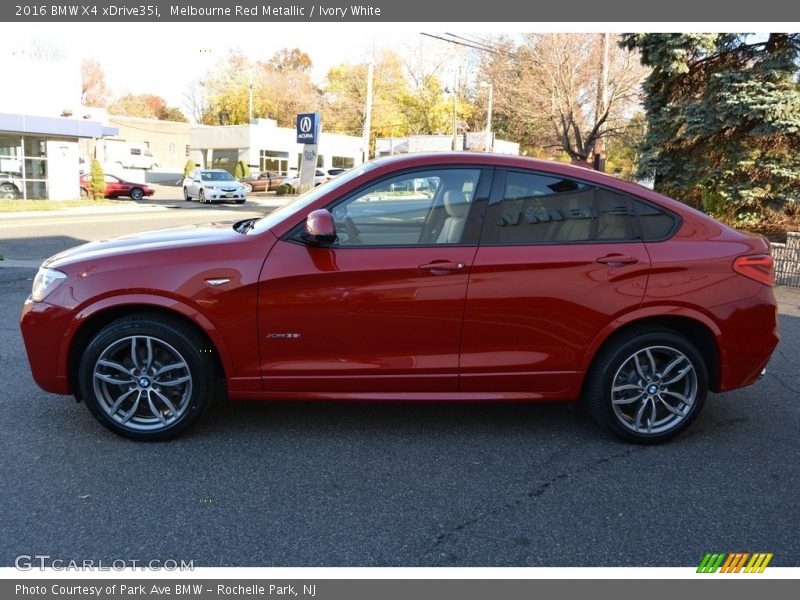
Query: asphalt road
{"x":315,"y":484}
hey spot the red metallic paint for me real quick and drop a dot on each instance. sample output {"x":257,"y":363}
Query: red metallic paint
{"x":517,"y":322}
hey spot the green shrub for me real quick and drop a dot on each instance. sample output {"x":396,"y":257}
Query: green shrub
{"x":283,"y":189}
{"x":98,"y":180}
{"x":241,"y":170}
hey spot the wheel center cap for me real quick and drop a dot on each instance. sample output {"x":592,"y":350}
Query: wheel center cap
{"x":144,"y":382}
{"x":652,"y":389}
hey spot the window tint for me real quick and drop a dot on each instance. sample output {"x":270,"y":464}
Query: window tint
{"x":423,"y":207}
{"x":655,"y":224}
{"x":614,"y":217}
{"x":540,"y":209}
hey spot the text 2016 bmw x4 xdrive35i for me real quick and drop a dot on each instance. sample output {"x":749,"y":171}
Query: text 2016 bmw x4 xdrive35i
{"x":447,"y":276}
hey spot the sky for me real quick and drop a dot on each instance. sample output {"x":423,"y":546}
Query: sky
{"x":165,"y":58}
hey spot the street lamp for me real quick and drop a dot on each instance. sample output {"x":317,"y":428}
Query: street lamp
{"x":487,"y":147}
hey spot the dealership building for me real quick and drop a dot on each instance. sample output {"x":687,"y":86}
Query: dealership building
{"x":266,"y":147}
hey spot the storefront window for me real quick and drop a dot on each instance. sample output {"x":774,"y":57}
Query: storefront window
{"x":23,"y":167}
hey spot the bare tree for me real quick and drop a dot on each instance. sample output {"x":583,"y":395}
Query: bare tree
{"x":559,"y":80}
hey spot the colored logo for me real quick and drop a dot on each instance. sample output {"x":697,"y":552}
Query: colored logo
{"x":308,"y":126}
{"x":734,"y":562}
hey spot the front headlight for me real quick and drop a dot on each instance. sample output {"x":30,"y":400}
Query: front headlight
{"x":46,"y":281}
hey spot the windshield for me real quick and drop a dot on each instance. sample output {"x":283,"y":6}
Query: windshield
{"x":216,"y":176}
{"x":301,"y":202}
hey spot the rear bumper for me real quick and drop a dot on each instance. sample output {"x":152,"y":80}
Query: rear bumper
{"x":749,"y":335}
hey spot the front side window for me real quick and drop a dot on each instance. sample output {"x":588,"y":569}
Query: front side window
{"x":416,"y":208}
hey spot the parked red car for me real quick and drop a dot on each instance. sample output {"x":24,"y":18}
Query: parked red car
{"x":116,"y":188}
{"x":424,"y":277}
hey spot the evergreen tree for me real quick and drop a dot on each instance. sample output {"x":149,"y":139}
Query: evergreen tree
{"x":98,"y":180}
{"x":723,"y":119}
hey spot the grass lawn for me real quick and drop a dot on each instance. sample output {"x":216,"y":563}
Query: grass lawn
{"x":25,"y":205}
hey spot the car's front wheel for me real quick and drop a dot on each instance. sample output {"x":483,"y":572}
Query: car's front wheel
{"x":201,"y":196}
{"x":647,"y":386}
{"x":146,"y":377}
{"x":8,"y":191}
{"x":248,"y":187}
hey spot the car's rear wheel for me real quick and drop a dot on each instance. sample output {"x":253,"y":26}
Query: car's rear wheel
{"x":186,"y":195}
{"x":145,"y":377}
{"x":647,"y":386}
{"x":137,"y":194}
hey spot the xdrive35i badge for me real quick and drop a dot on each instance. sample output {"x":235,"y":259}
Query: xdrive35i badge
{"x":283,"y":336}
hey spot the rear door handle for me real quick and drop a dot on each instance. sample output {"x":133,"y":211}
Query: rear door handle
{"x":616,"y":260}
{"x":442,"y":265}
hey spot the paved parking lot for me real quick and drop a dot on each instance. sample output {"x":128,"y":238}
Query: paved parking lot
{"x":315,"y":484}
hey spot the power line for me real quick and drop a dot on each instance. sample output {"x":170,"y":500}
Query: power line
{"x":473,"y":46}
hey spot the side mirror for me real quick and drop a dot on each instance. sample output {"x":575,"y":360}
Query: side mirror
{"x":320,"y":228}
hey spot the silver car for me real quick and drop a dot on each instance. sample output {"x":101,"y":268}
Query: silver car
{"x":209,"y":185}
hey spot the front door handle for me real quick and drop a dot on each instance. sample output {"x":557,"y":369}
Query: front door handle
{"x":617,"y":260}
{"x":442,"y":265}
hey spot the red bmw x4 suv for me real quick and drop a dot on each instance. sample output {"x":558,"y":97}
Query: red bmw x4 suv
{"x":436,"y":277}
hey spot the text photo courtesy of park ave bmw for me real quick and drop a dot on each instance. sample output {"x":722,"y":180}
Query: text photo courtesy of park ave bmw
{"x":321,"y":300}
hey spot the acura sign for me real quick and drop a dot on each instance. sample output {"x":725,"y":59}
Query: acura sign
{"x":308,"y":128}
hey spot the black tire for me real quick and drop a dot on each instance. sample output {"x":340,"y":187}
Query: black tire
{"x":633,"y":402}
{"x":186,"y":195}
{"x":201,"y":196}
{"x":159,"y":403}
{"x":84,"y":193}
{"x":137,"y":194}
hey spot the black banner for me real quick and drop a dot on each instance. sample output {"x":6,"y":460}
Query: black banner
{"x":444,"y":11}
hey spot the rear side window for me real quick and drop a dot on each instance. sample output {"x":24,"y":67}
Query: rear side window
{"x":654,"y":223}
{"x":545,"y":209}
{"x":541,"y":209}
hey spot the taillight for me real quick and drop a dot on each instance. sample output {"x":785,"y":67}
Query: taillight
{"x":757,"y":267}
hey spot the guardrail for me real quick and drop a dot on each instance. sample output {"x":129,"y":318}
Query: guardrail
{"x":787,"y":260}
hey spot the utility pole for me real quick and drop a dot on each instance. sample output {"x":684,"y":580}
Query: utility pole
{"x":368,"y":111}
{"x":599,"y":158}
{"x":250,"y":106}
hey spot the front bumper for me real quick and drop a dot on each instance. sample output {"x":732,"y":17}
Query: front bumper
{"x":43,"y":327}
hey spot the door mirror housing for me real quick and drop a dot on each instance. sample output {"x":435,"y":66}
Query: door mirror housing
{"x":320,"y":228}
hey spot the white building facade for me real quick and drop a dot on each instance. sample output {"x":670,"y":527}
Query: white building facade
{"x":266,"y":147}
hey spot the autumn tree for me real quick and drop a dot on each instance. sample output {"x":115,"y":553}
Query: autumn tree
{"x":146,"y":106}
{"x":346,"y":97}
{"x":94,"y":91}
{"x":548,"y":90}
{"x":723,"y":119}
{"x":281,"y":88}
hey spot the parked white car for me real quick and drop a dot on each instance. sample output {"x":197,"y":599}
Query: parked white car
{"x":320,"y":177}
{"x":209,"y":185}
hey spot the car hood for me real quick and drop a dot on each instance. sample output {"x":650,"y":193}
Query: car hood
{"x":159,"y":240}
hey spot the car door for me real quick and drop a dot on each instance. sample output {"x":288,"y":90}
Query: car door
{"x":558,"y":260}
{"x":380,"y":310}
{"x":114,"y":187}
